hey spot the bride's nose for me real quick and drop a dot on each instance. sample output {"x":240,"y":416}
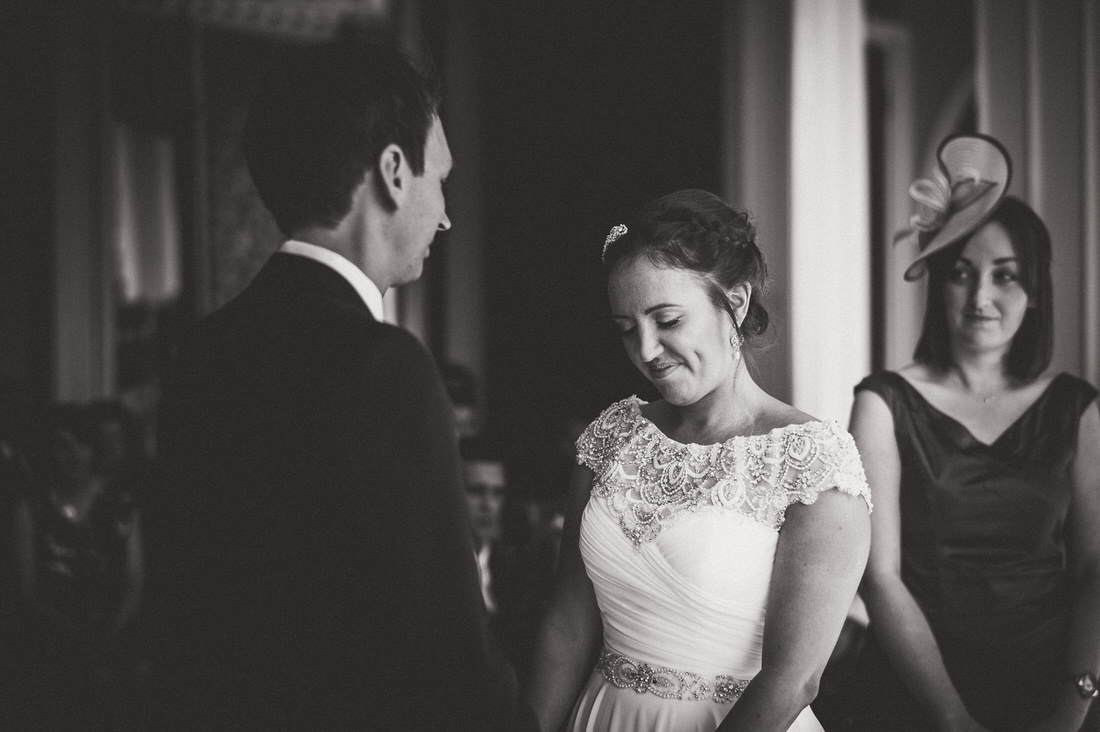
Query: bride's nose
{"x":649,"y":345}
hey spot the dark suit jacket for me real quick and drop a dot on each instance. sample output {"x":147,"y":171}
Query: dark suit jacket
{"x":312,"y":566}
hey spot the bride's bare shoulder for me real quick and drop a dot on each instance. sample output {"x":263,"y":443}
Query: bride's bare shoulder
{"x":781,"y":414}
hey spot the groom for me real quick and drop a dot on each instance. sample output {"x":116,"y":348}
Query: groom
{"x":315,"y":567}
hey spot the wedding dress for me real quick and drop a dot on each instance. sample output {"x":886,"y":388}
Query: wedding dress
{"x":679,"y":542}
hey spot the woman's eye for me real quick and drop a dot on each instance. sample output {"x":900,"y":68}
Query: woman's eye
{"x":1005,"y":277}
{"x":666,"y":324}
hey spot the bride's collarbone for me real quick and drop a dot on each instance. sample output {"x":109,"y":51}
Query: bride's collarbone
{"x":671,"y":423}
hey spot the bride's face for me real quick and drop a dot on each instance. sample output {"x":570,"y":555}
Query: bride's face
{"x":671,"y":329}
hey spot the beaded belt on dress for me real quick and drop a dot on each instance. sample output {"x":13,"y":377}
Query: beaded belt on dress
{"x":627,"y":673}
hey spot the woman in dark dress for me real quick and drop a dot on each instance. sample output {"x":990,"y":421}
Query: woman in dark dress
{"x":983,"y":584}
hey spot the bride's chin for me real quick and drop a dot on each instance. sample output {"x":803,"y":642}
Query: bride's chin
{"x":675,"y":397}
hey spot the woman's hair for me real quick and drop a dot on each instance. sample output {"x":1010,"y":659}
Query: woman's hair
{"x":696,"y":231}
{"x":1032,"y":346}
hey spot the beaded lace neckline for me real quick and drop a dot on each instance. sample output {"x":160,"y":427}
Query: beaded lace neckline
{"x":651,"y":480}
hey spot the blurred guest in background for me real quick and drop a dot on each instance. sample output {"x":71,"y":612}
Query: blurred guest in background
{"x":16,"y":434}
{"x":117,"y":448}
{"x":983,"y":585}
{"x":76,"y":549}
{"x":513,"y":560}
{"x":461,"y":385}
{"x":714,"y":538}
{"x":486,"y":492}
{"x":315,"y":568}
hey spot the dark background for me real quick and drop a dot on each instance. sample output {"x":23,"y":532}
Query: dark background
{"x":590,"y":110}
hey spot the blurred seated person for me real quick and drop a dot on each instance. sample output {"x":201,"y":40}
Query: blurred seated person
{"x":486,"y":489}
{"x":461,"y":385}
{"x":545,"y":519}
{"x":508,"y":565}
{"x":75,"y":549}
{"x":117,"y":453}
{"x":15,"y":477}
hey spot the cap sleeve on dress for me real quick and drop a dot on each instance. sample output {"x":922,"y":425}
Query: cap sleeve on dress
{"x":607,"y":434}
{"x":884,"y":383}
{"x":821,"y":457}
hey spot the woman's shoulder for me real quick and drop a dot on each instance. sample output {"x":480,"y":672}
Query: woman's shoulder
{"x":890,"y":384}
{"x":778,"y":414}
{"x":815,"y":455}
{"x":787,"y":425}
{"x":607,"y":432}
{"x":626,"y":409}
{"x":1075,"y":385}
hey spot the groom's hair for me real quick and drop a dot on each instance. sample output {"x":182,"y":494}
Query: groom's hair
{"x":321,"y":118}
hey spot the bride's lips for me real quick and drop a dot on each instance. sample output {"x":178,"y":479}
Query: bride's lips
{"x":660,"y":370}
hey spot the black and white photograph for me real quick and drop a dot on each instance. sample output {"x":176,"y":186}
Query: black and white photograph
{"x":550,"y":366}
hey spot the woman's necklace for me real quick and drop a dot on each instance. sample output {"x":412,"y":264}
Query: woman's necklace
{"x":987,"y":399}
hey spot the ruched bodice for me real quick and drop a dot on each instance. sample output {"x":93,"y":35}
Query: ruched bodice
{"x":679,"y":542}
{"x":692,"y":599}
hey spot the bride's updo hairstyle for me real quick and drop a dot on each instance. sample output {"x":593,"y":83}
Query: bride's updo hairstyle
{"x":696,"y":231}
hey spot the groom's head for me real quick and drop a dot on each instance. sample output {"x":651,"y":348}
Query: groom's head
{"x":345,"y":146}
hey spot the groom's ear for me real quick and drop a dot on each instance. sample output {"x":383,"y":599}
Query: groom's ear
{"x":393,"y":174}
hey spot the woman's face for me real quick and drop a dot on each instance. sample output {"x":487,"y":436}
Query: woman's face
{"x":983,"y":298}
{"x":671,"y":330}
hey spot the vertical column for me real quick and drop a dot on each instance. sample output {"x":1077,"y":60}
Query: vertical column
{"x":1055,"y":166}
{"x":1091,"y":237}
{"x":201,"y":262}
{"x":903,"y":301}
{"x":1033,"y":81}
{"x":408,"y":305}
{"x":830,"y":260}
{"x":1001,"y":83}
{"x":756,"y":156}
{"x":464,"y":288}
{"x":80,"y":336}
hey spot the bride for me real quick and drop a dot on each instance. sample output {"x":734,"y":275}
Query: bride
{"x":707,"y":565}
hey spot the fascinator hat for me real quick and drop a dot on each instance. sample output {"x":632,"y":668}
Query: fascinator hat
{"x":973,"y":176}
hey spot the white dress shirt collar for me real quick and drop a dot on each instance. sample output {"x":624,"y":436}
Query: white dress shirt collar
{"x":367,"y":290}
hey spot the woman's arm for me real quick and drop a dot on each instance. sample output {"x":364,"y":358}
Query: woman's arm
{"x":1083,"y":537}
{"x":820,"y":557}
{"x":897,"y":621}
{"x":569,"y":638}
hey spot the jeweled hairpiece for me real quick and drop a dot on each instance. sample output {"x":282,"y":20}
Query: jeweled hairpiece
{"x":616,"y":231}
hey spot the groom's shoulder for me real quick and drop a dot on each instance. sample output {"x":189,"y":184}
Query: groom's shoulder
{"x":385,"y":347}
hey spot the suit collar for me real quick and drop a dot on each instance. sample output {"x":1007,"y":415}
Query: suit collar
{"x":363,"y":285}
{"x":288,"y":279}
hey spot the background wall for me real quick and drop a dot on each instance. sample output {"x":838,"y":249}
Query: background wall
{"x":562,"y":117}
{"x":1037,"y":81}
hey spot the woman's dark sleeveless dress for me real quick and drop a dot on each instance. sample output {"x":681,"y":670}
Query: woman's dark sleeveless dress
{"x":983,"y":551}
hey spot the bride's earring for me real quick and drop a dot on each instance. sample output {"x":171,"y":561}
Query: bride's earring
{"x":736,"y":341}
